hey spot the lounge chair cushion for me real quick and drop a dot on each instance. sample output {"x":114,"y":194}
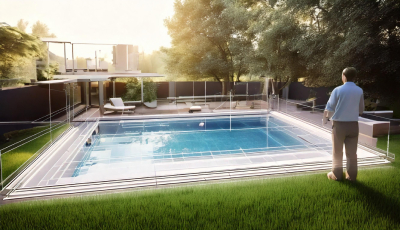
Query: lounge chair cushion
{"x":117,"y":102}
{"x":195,"y":108}
{"x":108,"y":106}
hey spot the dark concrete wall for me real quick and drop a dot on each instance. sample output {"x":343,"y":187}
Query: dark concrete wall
{"x":162,"y":89}
{"x":30,"y":103}
{"x":298,"y":91}
{"x":184,"y":89}
{"x":214,"y":88}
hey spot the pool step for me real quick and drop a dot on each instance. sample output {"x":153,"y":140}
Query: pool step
{"x":176,"y":179}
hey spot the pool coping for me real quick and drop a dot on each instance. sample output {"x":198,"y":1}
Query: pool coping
{"x":213,"y":174}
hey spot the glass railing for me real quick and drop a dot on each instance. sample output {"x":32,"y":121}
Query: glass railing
{"x":376,"y":129}
{"x":54,"y":108}
{"x":32,"y":120}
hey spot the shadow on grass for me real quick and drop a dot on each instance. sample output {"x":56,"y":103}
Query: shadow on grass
{"x":386,"y":206}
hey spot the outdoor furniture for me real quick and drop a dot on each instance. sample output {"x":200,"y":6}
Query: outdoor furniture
{"x":117,"y":105}
{"x":202,"y":98}
{"x":194,"y":108}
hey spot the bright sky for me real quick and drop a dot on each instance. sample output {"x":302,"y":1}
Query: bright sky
{"x":139,"y":22}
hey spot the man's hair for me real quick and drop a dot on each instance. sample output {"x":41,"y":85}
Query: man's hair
{"x":350,"y":73}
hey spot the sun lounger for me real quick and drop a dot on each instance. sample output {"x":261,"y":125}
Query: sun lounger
{"x":194,"y":108}
{"x":118,"y":105}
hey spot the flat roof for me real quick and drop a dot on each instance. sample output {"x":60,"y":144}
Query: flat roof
{"x":56,"y":81}
{"x":57,"y":40}
{"x":104,"y":76}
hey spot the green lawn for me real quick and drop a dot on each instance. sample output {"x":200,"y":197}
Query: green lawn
{"x":15,"y":158}
{"x":299,"y":202}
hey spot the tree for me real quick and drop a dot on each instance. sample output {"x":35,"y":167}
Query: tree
{"x":276,"y":55}
{"x":134,"y":90}
{"x":41,"y":30}
{"x":21,"y":25}
{"x":317,"y":39}
{"x":363,"y":34}
{"x":152,"y":63}
{"x":210,"y":39}
{"x":15,"y":46}
{"x":287,"y":40}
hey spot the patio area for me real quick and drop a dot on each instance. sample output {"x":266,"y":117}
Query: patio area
{"x":165,"y":107}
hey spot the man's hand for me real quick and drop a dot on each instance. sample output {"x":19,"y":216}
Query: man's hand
{"x":326,"y":117}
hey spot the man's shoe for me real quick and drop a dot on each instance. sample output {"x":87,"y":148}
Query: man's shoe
{"x":331,"y":176}
{"x":348,"y":178}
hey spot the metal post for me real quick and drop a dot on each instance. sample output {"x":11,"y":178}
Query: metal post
{"x":73,"y":63}
{"x":113,"y":88}
{"x":48,"y":55}
{"x":230,"y":110}
{"x":66,"y":101}
{"x":73,"y":101}
{"x":51,"y":137}
{"x":141,"y":82}
{"x":247,"y":92}
{"x":313,"y":106}
{"x":267,"y":85}
{"x":101,"y":98}
{"x":278,"y":101}
{"x":87,"y":95}
{"x":387,"y":149}
{"x":1,"y":173}
{"x":205,"y":93}
{"x":65,"y":59}
{"x":127,"y":58}
{"x":69,"y":102}
{"x":267,"y":129}
{"x":95,"y":59}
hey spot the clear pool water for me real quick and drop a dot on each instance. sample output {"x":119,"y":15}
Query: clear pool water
{"x":188,"y":139}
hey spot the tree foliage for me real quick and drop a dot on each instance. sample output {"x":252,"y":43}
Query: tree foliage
{"x":134,"y":90}
{"x":21,"y":25}
{"x":152,"y":63}
{"x":47,"y":73}
{"x":15,"y":47}
{"x":287,"y":40}
{"x":41,"y":30}
{"x":332,"y":35}
{"x":210,"y":39}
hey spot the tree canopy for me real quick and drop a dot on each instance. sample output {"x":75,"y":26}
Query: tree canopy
{"x":21,"y":25}
{"x":41,"y":30}
{"x":332,"y":35}
{"x":287,"y":40}
{"x":210,"y":39}
{"x":15,"y":46}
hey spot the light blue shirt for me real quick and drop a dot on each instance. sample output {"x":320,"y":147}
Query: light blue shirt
{"x":346,"y":102}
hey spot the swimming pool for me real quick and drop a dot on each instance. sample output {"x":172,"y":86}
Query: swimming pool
{"x":178,"y":140}
{"x":166,"y":150}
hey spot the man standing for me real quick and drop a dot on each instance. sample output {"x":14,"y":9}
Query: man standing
{"x":345,"y":104}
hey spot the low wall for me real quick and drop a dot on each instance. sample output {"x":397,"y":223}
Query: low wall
{"x":297,"y":91}
{"x":30,"y":102}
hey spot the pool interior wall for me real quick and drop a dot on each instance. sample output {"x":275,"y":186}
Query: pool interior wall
{"x":166,"y":141}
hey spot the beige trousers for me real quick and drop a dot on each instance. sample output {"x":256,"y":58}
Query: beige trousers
{"x":344,"y":133}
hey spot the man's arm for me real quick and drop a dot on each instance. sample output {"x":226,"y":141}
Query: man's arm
{"x":330,"y":107}
{"x":361,"y":106}
{"x":332,"y":102}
